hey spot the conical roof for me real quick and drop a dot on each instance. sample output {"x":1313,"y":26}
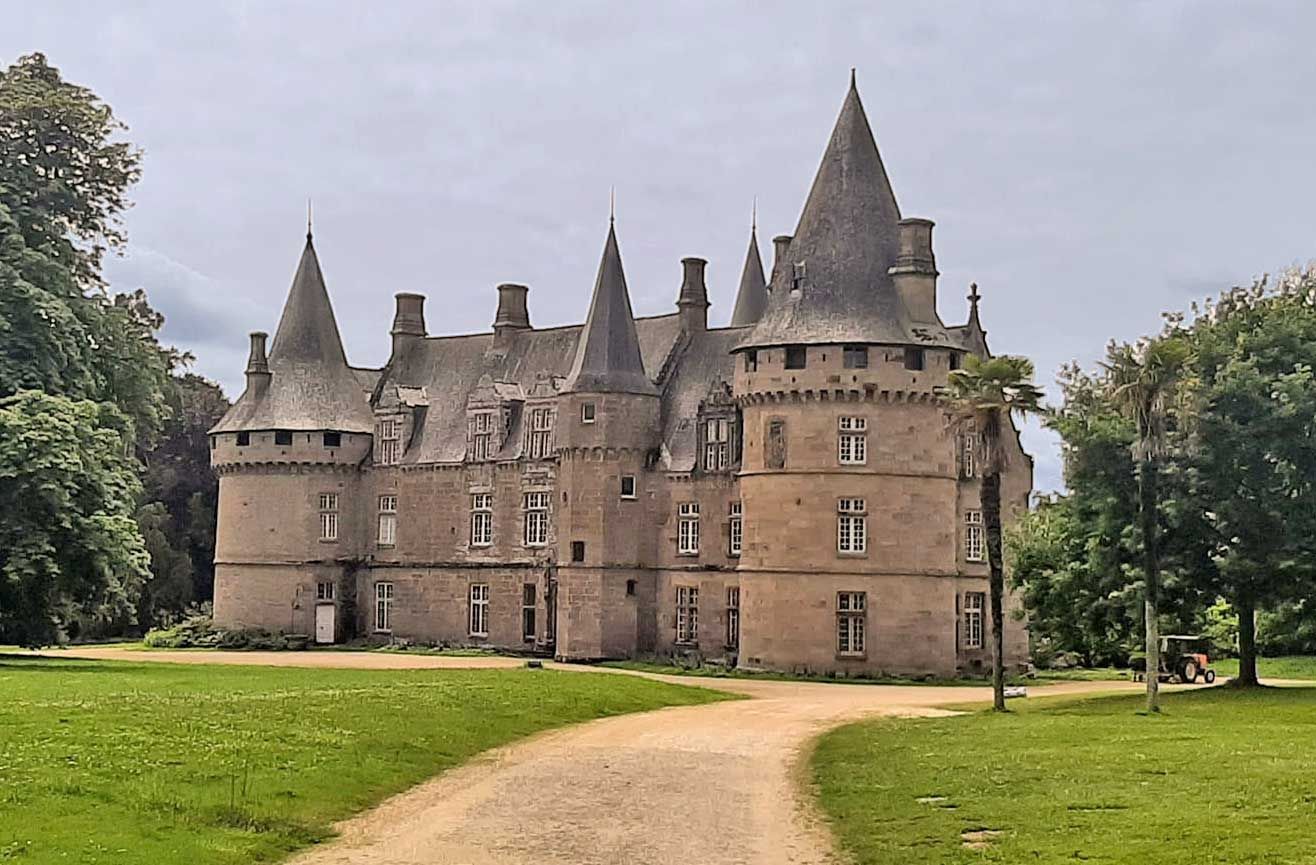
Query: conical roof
{"x":608,"y":353}
{"x":753,"y":294}
{"x":835,"y":288}
{"x":311,"y":387}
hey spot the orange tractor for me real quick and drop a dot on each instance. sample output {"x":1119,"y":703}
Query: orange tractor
{"x":1183,"y":659}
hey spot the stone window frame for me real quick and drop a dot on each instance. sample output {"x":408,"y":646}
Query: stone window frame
{"x":687,"y":615}
{"x":477,"y":618}
{"x":852,"y":440}
{"x":536,"y":507}
{"x":851,"y":526}
{"x":718,"y":432}
{"x":539,"y":432}
{"x":854,"y":356}
{"x":384,"y":607}
{"x":387,"y":533}
{"x":974,"y":607}
{"x":325,"y":591}
{"x":588,"y":412}
{"x":481,"y":519}
{"x":975,"y":536}
{"x":634,"y":488}
{"x":969,"y":450}
{"x":851,"y":624}
{"x":389,"y":433}
{"x":733,"y":617}
{"x":529,"y":600}
{"x":329,"y":526}
{"x":687,"y":529}
{"x":481,"y":428}
{"x":735,"y":528}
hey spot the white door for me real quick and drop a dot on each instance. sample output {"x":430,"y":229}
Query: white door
{"x":324,"y":623}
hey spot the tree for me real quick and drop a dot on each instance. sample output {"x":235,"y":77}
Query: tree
{"x":1142,"y":379}
{"x":982,"y":397}
{"x":1254,"y":447}
{"x":68,"y":542}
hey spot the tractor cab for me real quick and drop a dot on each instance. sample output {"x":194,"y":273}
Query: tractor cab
{"x":1186,"y":659}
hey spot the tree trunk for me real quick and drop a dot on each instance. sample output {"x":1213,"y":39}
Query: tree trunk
{"x":1147,"y":496}
{"x":1247,"y":642}
{"x":991,"y":518}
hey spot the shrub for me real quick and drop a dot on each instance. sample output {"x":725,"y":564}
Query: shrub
{"x":194,"y":632}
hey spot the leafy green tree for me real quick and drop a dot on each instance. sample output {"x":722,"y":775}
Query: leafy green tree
{"x":1254,"y":463}
{"x":1142,"y":379}
{"x":982,"y":397}
{"x":68,"y":542}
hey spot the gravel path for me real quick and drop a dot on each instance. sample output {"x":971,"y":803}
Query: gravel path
{"x":721,"y":783}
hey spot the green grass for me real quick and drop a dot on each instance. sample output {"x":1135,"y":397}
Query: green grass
{"x":113,"y":762}
{"x":1223,"y":776}
{"x":1295,"y":667}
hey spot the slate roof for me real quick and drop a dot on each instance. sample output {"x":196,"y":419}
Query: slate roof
{"x":704,"y":365}
{"x":752,"y":297}
{"x":311,"y":386}
{"x":846,"y":241}
{"x":608,"y":355}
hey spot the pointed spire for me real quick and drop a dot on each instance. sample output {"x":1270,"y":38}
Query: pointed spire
{"x":608,"y":356}
{"x":846,"y":241}
{"x":752,"y":296}
{"x":307,"y":329}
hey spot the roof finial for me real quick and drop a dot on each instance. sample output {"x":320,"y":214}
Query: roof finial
{"x":852,"y":84}
{"x":308,"y":218}
{"x":612,"y":204}
{"x":974,"y":297}
{"x":754,"y":215}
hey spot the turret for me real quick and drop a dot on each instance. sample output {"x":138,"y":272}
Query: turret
{"x":752,"y":296}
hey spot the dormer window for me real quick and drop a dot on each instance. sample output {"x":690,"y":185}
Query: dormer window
{"x":540,"y":443}
{"x":482,"y":444}
{"x":796,"y":356}
{"x":797,"y":279}
{"x":717,"y":444}
{"x":389,"y":433}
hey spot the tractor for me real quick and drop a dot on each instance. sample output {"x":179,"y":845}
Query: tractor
{"x":1183,"y":659}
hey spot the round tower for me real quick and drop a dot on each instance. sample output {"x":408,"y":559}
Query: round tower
{"x":288,"y":455}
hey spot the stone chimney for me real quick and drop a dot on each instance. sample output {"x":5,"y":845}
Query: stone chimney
{"x":915,"y":272}
{"x":781,"y":245}
{"x":258,"y":365}
{"x":408,"y":321}
{"x":693,"y":299}
{"x":513,"y":313}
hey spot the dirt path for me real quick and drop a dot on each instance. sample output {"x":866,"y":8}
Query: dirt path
{"x":722,"y":783}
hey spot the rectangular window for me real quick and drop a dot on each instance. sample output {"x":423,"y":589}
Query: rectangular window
{"x":717,"y":444}
{"x":855,"y":356}
{"x":752,"y":361}
{"x":954,"y":360}
{"x":914,"y":358}
{"x":733,"y":617}
{"x":324,"y":591}
{"x":282,"y":437}
{"x":852,"y":441}
{"x":384,"y":607}
{"x":536,"y":519}
{"x":628,"y":486}
{"x":587,"y":412}
{"x":736,"y":530}
{"x":479,"y":618}
{"x":687,"y":529}
{"x":333,"y":439}
{"x":390,"y":442}
{"x":328,"y":516}
{"x":973,"y":603}
{"x":687,"y":614}
{"x":540,"y":445}
{"x":243,"y":439}
{"x":528,"y":612}
{"x":969,"y":449}
{"x":481,"y":426}
{"x":388,"y":520}
{"x":774,"y":455}
{"x":577,"y":551}
{"x":851,"y":526}
{"x":481,"y":519}
{"x":973,"y":536}
{"x":796,"y":356}
{"x":851,"y":623}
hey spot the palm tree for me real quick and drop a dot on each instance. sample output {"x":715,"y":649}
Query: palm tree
{"x":1141,"y":380}
{"x":981,"y":398}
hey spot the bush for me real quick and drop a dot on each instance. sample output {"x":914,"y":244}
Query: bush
{"x":199,"y":632}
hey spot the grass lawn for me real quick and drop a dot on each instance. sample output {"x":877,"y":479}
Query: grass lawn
{"x":1223,"y":776}
{"x":1295,"y":667}
{"x":163,"y":763}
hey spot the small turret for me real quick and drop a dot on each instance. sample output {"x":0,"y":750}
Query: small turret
{"x":693,"y":299}
{"x":753,"y":294}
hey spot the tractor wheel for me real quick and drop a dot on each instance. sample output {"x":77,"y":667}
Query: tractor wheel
{"x":1210,"y":677}
{"x":1188,"y":672}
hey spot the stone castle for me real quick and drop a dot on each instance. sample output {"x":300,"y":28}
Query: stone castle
{"x":783,"y":493}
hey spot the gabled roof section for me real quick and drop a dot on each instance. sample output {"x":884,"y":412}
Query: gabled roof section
{"x":608,"y":355}
{"x":836,"y":288}
{"x":311,"y":387}
{"x":752,"y":297}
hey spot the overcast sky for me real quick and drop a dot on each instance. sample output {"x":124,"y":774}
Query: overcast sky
{"x":1088,"y":164}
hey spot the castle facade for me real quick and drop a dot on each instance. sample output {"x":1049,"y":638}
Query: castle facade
{"x":784,"y":493}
